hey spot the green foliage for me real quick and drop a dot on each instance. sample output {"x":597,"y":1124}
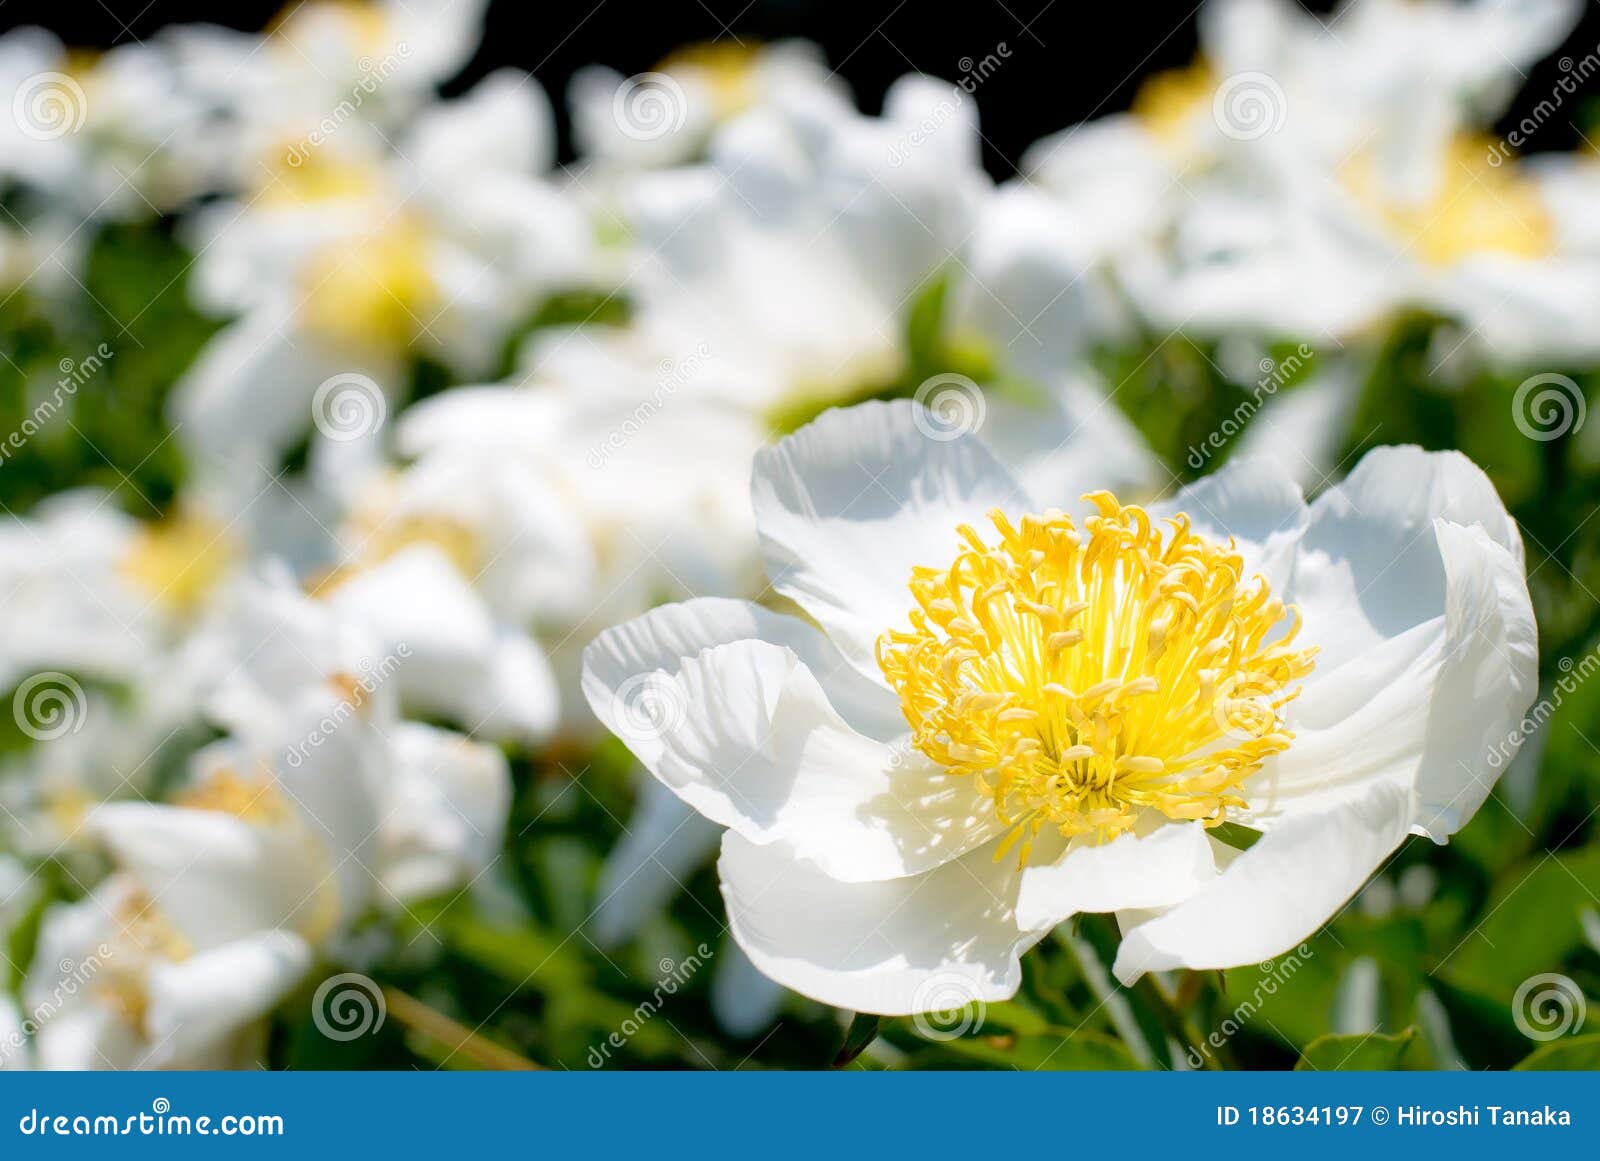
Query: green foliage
{"x":1440,"y":943}
{"x":1371,"y":1052}
{"x":89,"y":377}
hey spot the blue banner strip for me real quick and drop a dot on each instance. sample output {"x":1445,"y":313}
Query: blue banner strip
{"x":741,"y":1115}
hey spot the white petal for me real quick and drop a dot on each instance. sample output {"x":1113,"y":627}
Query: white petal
{"x":1071,"y":440}
{"x":443,"y":812}
{"x":933,"y":942}
{"x":1158,"y":869}
{"x":1488,"y":678}
{"x":1368,"y":565}
{"x":1278,"y":892}
{"x":850,"y":503}
{"x":1255,"y":502}
{"x":663,"y":637}
{"x":217,"y":878}
{"x":744,"y":733}
{"x":198,"y":1003}
{"x":455,"y":661}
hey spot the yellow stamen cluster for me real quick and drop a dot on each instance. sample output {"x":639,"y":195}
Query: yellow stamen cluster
{"x":1084,"y":677}
{"x":255,"y":800}
{"x":144,"y":937}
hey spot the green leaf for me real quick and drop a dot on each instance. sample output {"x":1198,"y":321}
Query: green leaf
{"x":1532,"y":922}
{"x":862,"y":1032}
{"x":1573,"y":1054}
{"x":1080,"y":1051}
{"x":1369,"y":1052}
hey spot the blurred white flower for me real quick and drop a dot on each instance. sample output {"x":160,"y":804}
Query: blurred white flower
{"x":349,"y":260}
{"x":319,"y":806}
{"x":666,"y":116}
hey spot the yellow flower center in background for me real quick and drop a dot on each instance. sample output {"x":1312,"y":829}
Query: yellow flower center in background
{"x":725,"y":67}
{"x":1168,"y":102}
{"x":1083,"y":678}
{"x":179,"y":560}
{"x":254,"y":800}
{"x":1475,"y":207}
{"x":372,"y":290}
{"x":143,"y":937}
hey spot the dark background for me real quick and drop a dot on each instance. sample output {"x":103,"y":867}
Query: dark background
{"x":1069,"y":60}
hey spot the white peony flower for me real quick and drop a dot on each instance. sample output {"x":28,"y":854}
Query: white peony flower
{"x":1011,"y":715}
{"x":319,"y":807}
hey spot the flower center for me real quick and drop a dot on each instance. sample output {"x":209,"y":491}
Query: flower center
{"x":1476,"y":206}
{"x":1083,"y":678}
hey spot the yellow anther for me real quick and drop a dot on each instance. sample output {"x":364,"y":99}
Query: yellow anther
{"x":1085,"y":729}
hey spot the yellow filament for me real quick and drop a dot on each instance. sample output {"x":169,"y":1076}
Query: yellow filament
{"x":1084,"y":677}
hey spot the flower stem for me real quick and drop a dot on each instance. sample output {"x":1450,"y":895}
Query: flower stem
{"x":1172,"y":1012}
{"x":431,"y":1022}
